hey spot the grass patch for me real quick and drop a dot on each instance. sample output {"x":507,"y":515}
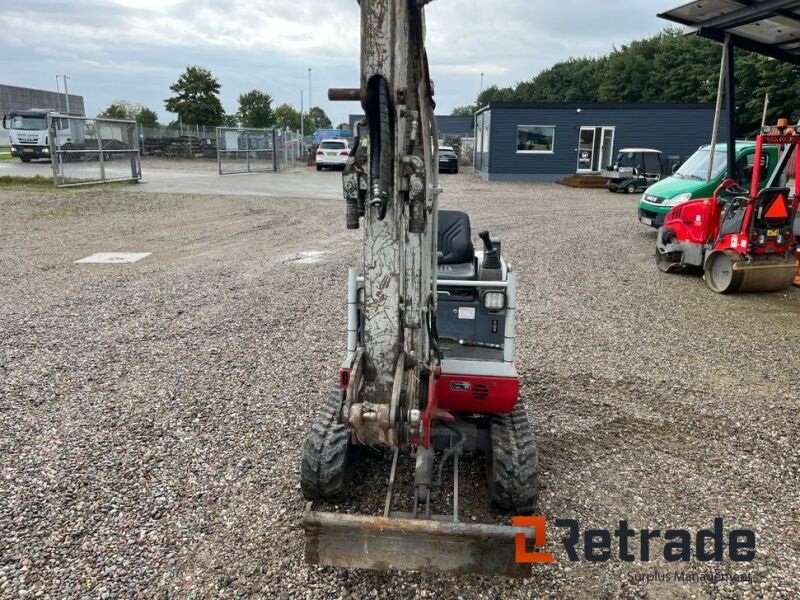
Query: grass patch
{"x":17,"y":181}
{"x":40,"y":182}
{"x":63,"y":211}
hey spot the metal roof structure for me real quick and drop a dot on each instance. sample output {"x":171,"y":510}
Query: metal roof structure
{"x":769,"y":27}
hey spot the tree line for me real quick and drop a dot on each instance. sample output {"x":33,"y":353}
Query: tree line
{"x":668,"y":67}
{"x":196,"y":101}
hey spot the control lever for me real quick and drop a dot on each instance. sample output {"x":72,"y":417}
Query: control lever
{"x":491,"y":260}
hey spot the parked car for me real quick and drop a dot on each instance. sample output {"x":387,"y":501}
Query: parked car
{"x":332,"y":154}
{"x":689,"y":181}
{"x":448,"y":160}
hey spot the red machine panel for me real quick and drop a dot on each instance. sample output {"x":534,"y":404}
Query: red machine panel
{"x":475,"y":394}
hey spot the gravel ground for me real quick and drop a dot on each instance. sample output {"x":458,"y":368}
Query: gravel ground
{"x":152,"y":415}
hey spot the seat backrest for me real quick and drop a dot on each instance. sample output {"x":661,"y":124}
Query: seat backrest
{"x":455,"y":238}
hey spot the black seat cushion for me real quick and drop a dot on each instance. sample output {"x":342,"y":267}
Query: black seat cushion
{"x":455,"y":238}
{"x":461,"y":271}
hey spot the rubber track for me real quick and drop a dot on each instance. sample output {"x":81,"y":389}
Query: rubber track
{"x":514,"y":472}
{"x":327,"y":455}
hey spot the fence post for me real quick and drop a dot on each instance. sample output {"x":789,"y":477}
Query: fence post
{"x":285,"y":149}
{"x":247,"y":149}
{"x":274,"y":150}
{"x":219,"y":156}
{"x":55,"y":156}
{"x":98,"y":130}
{"x":135,"y":134}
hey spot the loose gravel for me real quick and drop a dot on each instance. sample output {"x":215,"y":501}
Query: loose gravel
{"x":152,"y":415}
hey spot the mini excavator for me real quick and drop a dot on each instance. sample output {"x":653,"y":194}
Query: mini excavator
{"x":429,"y":371}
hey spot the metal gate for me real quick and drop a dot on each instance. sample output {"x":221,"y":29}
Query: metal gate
{"x":87,"y":151}
{"x":246,"y":150}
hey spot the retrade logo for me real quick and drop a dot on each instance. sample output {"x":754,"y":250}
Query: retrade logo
{"x":539,"y":526}
{"x":628,"y":544}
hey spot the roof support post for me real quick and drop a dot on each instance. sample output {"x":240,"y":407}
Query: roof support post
{"x":718,"y":109}
{"x":731,"y":97}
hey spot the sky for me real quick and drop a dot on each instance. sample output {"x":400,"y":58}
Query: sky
{"x":134,"y":49}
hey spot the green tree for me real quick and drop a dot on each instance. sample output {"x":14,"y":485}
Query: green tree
{"x":230,"y":121}
{"x":317,"y":119}
{"x":116,"y":110}
{"x":464,"y":111}
{"x":667,"y":67}
{"x":255,"y":109}
{"x":196,"y":100}
{"x":121,"y":109}
{"x":286,"y":116}
{"x":146,"y":116}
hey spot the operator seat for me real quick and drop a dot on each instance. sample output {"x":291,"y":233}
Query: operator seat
{"x":456,"y":254}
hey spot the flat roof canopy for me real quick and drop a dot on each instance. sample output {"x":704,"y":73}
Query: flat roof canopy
{"x":769,"y":27}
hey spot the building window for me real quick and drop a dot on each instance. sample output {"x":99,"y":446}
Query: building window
{"x":536,"y":139}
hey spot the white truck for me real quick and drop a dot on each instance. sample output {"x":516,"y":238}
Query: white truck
{"x":27,"y":130}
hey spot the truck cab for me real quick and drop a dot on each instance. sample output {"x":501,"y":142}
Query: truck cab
{"x":28,"y":134}
{"x":689,"y":180}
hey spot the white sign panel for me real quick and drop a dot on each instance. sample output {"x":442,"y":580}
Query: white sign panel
{"x":114,"y":257}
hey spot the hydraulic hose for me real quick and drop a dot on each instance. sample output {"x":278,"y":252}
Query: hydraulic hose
{"x":381,"y":130}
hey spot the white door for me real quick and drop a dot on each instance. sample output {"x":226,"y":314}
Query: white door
{"x":595,"y":149}
{"x":586,"y":149}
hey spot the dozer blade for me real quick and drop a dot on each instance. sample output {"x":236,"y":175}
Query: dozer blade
{"x":357,"y":541}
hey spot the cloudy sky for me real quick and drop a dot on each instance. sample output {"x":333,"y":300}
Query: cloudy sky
{"x":134,"y":49}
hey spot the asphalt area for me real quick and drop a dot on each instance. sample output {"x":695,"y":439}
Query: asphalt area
{"x":152,"y":415}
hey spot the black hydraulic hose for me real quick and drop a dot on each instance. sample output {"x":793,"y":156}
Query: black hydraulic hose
{"x":379,"y":117}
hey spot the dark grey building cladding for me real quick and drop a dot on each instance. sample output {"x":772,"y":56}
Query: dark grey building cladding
{"x":547,"y":141}
{"x":20,"y":98}
{"x":448,"y":125}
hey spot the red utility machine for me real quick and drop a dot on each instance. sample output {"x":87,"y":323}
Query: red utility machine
{"x":742,"y":240}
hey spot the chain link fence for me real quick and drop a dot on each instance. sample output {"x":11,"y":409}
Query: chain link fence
{"x":290,"y":148}
{"x":241,"y":150}
{"x":246,"y":150}
{"x":191,"y":141}
{"x":87,"y":150}
{"x":197,"y":141}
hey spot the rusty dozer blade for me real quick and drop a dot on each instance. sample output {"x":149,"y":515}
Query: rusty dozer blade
{"x":413,"y":541}
{"x":357,"y":541}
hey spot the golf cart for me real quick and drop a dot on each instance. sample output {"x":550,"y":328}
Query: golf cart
{"x":635,"y":170}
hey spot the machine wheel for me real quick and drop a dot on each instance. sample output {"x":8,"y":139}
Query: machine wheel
{"x":513,"y":463}
{"x":25,"y":160}
{"x":319,"y":167}
{"x":328,"y":455}
{"x":719,"y":274}
{"x":630,"y":188}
